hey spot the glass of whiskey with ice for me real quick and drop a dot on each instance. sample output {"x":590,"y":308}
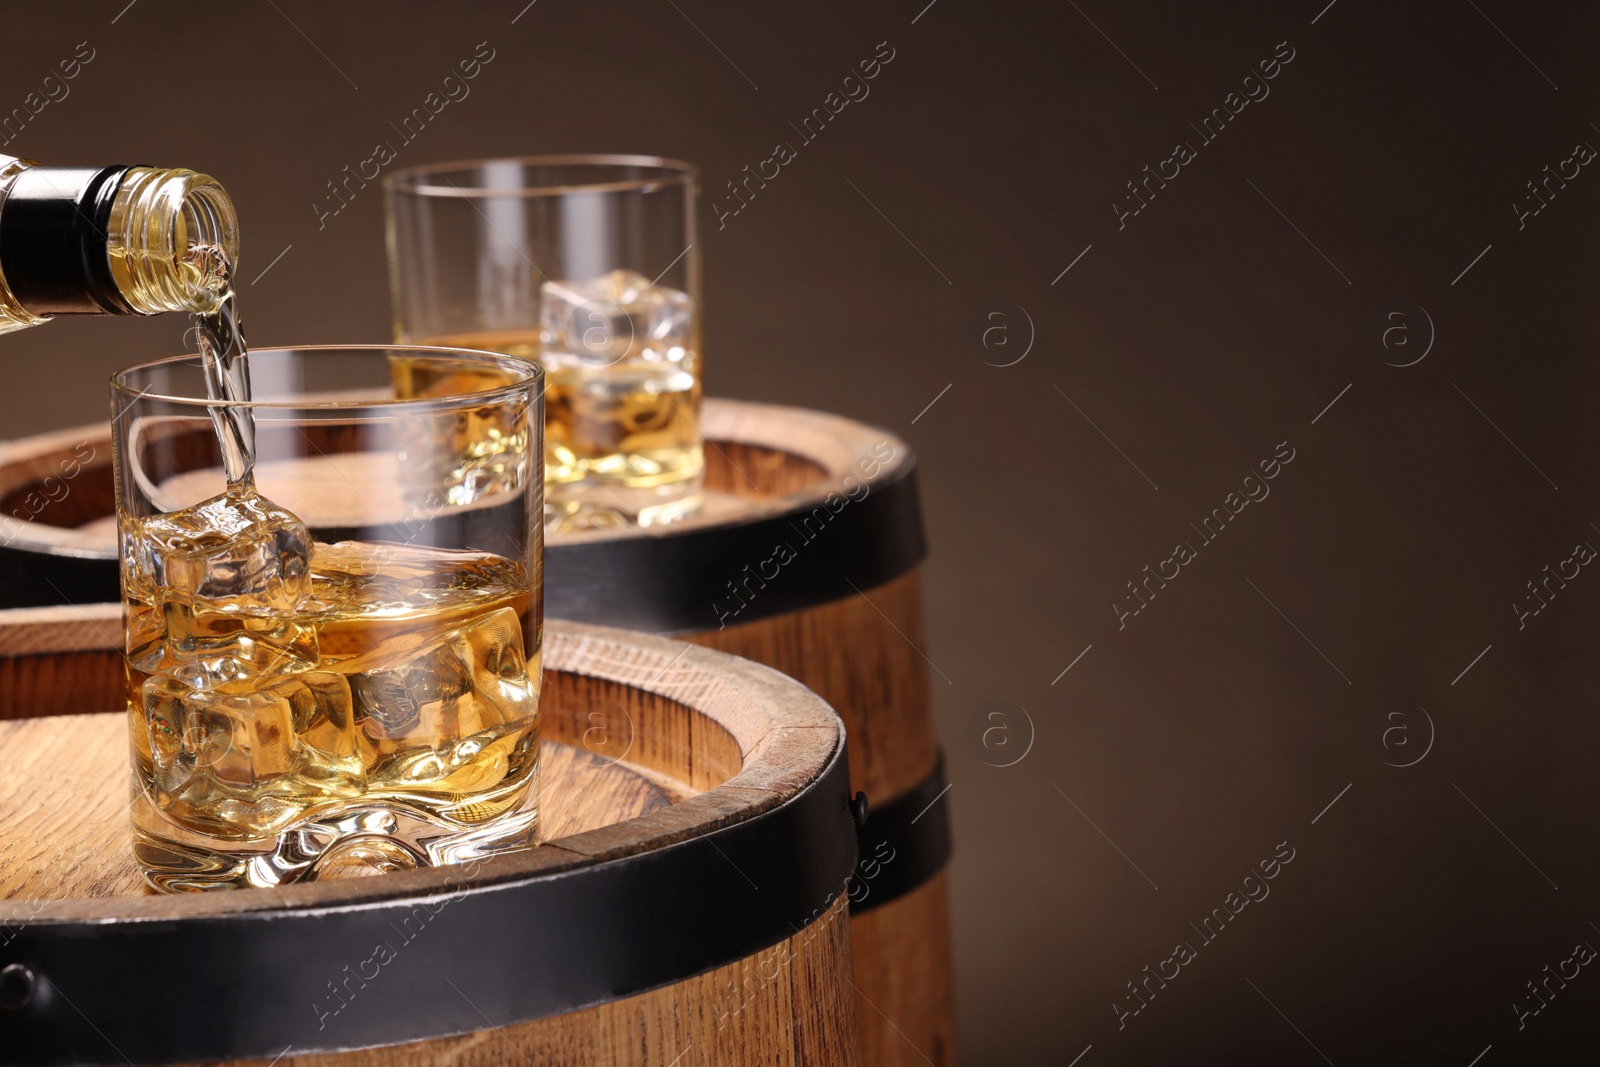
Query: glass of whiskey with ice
{"x":333,"y":612}
{"x":587,"y":264}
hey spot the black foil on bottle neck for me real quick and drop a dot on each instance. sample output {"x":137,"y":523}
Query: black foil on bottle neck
{"x":53,"y":240}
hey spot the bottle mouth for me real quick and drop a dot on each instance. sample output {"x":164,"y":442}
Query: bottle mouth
{"x":172,"y":240}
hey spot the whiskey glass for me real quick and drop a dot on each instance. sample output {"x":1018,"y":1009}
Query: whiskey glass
{"x":587,"y":264}
{"x":333,"y":668}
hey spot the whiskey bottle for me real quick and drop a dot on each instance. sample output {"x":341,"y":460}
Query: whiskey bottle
{"x":115,"y":240}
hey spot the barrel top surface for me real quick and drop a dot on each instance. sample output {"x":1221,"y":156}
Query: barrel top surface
{"x":64,"y":852}
{"x":73,"y":841}
{"x":723,"y":829}
{"x":801,"y":508}
{"x":791,"y":459}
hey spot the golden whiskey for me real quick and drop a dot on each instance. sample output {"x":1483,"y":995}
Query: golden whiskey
{"x":295,"y":699}
{"x":628,"y":426}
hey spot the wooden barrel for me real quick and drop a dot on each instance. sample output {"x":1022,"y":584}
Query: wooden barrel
{"x":804,"y":558}
{"x":687,"y":905}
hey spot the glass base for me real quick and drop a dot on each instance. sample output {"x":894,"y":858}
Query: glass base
{"x":364,"y":839}
{"x":595,"y":504}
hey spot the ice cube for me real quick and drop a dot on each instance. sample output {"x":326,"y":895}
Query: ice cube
{"x":207,"y":648}
{"x":501,"y":684}
{"x":423,"y":695}
{"x":214,"y":591}
{"x":409,"y":690}
{"x":621,"y":316}
{"x":238,"y":550}
{"x":244,"y":763}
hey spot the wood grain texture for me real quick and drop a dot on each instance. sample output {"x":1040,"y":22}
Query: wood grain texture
{"x":72,"y":839}
{"x":863,"y":655}
{"x":761,"y":459}
{"x":903,"y":962}
{"x":715,"y":740}
{"x":765,"y":460}
{"x":790,"y":1006}
{"x":724,"y":738}
{"x":25,"y":632}
{"x":50,"y":684}
{"x":52,"y":483}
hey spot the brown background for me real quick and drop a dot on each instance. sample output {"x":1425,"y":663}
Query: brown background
{"x":1260,"y":682}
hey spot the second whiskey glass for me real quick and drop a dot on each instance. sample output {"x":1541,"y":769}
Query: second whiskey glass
{"x":587,"y":264}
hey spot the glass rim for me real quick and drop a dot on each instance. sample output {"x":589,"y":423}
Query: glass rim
{"x":531,"y":372}
{"x":413,"y":181}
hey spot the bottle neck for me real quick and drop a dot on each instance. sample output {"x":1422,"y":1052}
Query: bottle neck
{"x":171,"y":241}
{"x":113,"y":240}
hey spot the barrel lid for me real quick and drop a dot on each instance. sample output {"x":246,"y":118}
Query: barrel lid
{"x":803,"y":508}
{"x":759,"y":844}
